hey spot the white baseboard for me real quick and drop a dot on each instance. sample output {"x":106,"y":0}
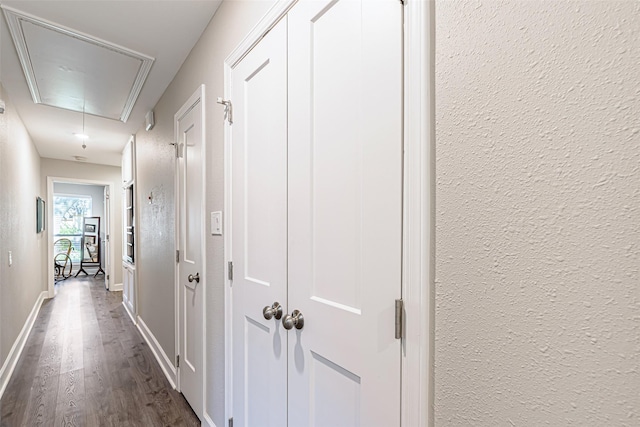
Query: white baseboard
{"x":162,"y":358}
{"x":116,"y":287}
{"x":207,"y":420}
{"x":131,"y":315}
{"x":16,"y":350}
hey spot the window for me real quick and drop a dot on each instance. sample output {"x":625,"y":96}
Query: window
{"x":68,"y":214}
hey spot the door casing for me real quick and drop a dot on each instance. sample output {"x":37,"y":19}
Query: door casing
{"x":107,"y":236}
{"x":418,"y":282}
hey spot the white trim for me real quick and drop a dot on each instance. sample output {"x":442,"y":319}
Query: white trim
{"x":18,"y":346}
{"x":203,"y":243}
{"x":268,"y":21}
{"x":162,"y":358}
{"x":49,"y":228}
{"x":131,"y":315}
{"x":117,"y":287}
{"x":14,"y":19}
{"x":197,"y":97}
{"x":418,"y":228}
{"x":418,"y":221}
{"x":136,"y":228}
{"x":207,"y":421}
{"x":228,"y":290}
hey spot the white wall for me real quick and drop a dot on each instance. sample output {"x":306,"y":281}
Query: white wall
{"x":22,"y":283}
{"x":155,"y":173}
{"x":538,"y":213}
{"x":101,"y":173}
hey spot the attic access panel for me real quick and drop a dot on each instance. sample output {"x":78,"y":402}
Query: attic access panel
{"x":74,"y":71}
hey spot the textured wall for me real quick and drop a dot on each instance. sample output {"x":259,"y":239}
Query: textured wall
{"x":22,"y":283}
{"x":538,"y":213}
{"x":155,"y":173}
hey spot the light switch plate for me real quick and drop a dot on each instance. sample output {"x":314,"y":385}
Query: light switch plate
{"x":216,"y":223}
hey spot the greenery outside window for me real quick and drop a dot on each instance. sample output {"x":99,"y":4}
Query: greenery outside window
{"x":68,"y":214}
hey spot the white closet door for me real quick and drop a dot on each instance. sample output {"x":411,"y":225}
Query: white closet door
{"x":345,"y":200}
{"x":259,"y":232}
{"x":190,"y":137}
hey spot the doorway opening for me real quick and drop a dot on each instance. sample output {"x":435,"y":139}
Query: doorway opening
{"x":80,"y":217}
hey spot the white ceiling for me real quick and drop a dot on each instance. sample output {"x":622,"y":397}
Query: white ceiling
{"x":165,"y":30}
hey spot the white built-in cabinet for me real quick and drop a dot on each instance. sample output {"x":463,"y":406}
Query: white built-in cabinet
{"x":128,"y":288}
{"x":129,"y":229}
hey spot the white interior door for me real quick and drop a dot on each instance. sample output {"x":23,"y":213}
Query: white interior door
{"x":345,"y":211}
{"x":190,"y":269}
{"x":259,"y":232}
{"x":317,"y":218}
{"x":106,"y":245}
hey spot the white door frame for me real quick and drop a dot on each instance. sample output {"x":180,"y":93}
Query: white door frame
{"x":50,"y":181}
{"x":198,"y":96}
{"x":107,"y":234}
{"x":418,"y":259}
{"x":418,"y":282}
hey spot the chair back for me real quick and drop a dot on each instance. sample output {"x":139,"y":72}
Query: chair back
{"x":63,"y":246}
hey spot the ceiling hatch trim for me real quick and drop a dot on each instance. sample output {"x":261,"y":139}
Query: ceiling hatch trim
{"x":17,"y":20}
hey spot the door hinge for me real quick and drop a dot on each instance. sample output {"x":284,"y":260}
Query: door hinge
{"x":178,"y":148}
{"x":399,"y":319}
{"x":107,"y":237}
{"x":230,"y":270}
{"x":231,"y":422}
{"x":228,"y":113}
{"x":177,"y":361}
{"x":107,"y":277}
{"x":177,"y":255}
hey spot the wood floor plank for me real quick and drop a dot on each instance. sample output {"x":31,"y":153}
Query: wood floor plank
{"x":41,"y":405}
{"x":86,"y":364}
{"x":70,"y":399}
{"x":13,"y":405}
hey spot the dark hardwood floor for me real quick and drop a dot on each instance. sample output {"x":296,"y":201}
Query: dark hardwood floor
{"x":86,"y":364}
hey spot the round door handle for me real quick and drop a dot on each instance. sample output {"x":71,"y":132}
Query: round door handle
{"x":191,"y":278}
{"x":294,"y":319}
{"x":274,"y":311}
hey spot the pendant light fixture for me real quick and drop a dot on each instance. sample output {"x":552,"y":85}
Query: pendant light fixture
{"x":83,"y":136}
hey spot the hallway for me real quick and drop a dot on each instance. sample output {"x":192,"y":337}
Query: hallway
{"x":86,"y":364}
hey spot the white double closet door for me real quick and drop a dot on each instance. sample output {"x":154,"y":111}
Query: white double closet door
{"x":316,"y":200}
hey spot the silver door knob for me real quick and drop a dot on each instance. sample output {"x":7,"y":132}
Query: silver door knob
{"x":191,"y":278}
{"x":294,"y":319}
{"x":274,"y":311}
